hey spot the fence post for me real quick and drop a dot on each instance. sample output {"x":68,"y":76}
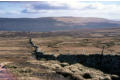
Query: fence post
{"x":102,"y":53}
{"x":101,"y":56}
{"x":30,"y":40}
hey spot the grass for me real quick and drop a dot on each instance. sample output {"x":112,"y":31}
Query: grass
{"x":16,"y":55}
{"x":63,"y":45}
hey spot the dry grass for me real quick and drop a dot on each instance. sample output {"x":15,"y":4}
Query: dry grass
{"x":71,"y":45}
{"x":16,"y":55}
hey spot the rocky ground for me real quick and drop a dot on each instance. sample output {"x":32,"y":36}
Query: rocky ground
{"x":74,"y":71}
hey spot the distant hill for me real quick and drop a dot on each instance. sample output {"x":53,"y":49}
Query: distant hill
{"x":46,"y":24}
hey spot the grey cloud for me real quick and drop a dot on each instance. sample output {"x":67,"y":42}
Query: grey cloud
{"x":37,"y":6}
{"x":46,"y":6}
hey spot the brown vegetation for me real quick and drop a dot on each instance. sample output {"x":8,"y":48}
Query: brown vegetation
{"x":65,"y":55}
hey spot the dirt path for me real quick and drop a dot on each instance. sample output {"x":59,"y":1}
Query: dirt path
{"x":5,"y":75}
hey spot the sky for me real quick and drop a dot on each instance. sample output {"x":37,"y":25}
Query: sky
{"x":75,"y":8}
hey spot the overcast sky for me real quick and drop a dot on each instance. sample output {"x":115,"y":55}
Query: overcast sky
{"x":104,"y":9}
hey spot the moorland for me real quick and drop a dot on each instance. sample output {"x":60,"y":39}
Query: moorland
{"x":60,"y":55}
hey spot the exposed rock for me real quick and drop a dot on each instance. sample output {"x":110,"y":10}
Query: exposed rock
{"x":51,"y":66}
{"x":77,"y":77}
{"x":107,"y":78}
{"x":115,"y":77}
{"x":70,"y":75}
{"x":56,"y":66}
{"x":101,"y":78}
{"x":64,"y":64}
{"x":74,"y":69}
{"x":66,"y":69}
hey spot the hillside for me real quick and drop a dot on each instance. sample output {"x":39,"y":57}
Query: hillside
{"x":45,"y":24}
{"x":61,"y":55}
